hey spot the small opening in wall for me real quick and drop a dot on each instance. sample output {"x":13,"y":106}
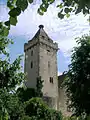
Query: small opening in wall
{"x":48,"y":64}
{"x":51,"y":79}
{"x":48,"y":50}
{"x":32,"y":53}
{"x":31,"y":64}
{"x":43,"y":37}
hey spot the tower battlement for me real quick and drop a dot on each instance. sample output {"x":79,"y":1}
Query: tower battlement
{"x":41,"y":38}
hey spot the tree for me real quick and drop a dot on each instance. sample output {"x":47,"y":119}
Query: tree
{"x":36,"y":109}
{"x":25,"y":94}
{"x":66,"y":7}
{"x":77,"y":83}
{"x":39,"y":87}
{"x":10,"y":77}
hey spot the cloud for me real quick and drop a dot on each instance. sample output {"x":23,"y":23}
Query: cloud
{"x":59,"y":73}
{"x":63,"y":31}
{"x":3,"y":12}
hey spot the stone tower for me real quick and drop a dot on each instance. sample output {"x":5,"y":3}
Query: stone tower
{"x":41,"y":60}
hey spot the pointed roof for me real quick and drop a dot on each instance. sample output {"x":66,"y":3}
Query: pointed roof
{"x":41,"y":36}
{"x":41,"y":32}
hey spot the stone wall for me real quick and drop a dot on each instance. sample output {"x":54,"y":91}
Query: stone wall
{"x":62,"y":98}
{"x":50,"y":101}
{"x":48,"y":56}
{"x":32,"y":73}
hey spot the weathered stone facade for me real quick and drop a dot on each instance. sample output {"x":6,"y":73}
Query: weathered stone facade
{"x":41,"y":60}
{"x":62,"y":99}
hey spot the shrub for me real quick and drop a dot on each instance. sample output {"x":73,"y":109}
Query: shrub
{"x":36,"y":109}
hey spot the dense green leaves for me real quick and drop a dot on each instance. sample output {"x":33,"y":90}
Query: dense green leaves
{"x":3,"y":30}
{"x":30,"y":1}
{"x":4,"y":41}
{"x":7,"y":23}
{"x":10,"y":106}
{"x":66,"y":7}
{"x":10,"y":75}
{"x":13,"y":21}
{"x":15,"y":12}
{"x":22,"y":4}
{"x":78,"y":81}
{"x":10,"y":4}
{"x":60,"y":15}
{"x":43,"y":8}
{"x":67,"y":10}
{"x":25,"y":94}
{"x":36,"y":109}
{"x":39,"y":87}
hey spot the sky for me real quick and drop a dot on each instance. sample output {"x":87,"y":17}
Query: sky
{"x":63,"y":31}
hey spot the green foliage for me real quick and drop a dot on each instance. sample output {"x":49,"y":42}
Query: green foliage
{"x":16,"y":6}
{"x":66,"y":7}
{"x":26,"y":118}
{"x":36,"y":109}
{"x":14,"y":107}
{"x":30,"y":1}
{"x":22,"y":4}
{"x":78,"y":78}
{"x":55,"y":115}
{"x":39,"y":87}
{"x":60,"y":15}
{"x":10,"y":76}
{"x":13,"y":20}
{"x":15,"y":12}
{"x":25,"y":94}
{"x":73,"y":118}
{"x":10,"y":106}
{"x":4,"y":41}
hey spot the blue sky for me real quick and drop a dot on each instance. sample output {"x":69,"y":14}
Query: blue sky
{"x":61,"y":31}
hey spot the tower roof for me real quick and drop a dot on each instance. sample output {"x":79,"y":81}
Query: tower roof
{"x":41,"y":37}
{"x":41,"y":32}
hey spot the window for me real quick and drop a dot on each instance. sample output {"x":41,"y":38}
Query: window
{"x":51,"y":79}
{"x":32,"y":53}
{"x":31,"y":64}
{"x":43,"y":37}
{"x":48,"y":50}
{"x":48,"y":64}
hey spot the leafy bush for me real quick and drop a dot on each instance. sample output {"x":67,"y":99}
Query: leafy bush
{"x":36,"y":109}
{"x":78,"y":78}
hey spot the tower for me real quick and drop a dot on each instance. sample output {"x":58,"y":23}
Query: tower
{"x":41,"y":60}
